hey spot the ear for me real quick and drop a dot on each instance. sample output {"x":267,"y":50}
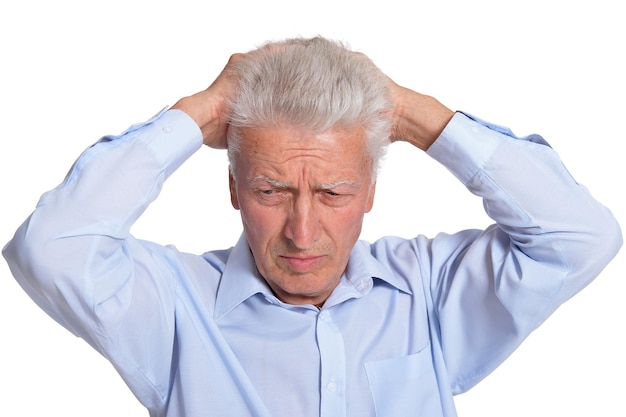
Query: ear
{"x":370,"y":198}
{"x":232,"y":185}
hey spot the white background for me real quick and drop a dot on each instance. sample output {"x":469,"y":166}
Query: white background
{"x":72,"y":71}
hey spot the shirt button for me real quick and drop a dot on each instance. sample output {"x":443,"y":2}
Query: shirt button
{"x":167,"y":129}
{"x":332,"y":386}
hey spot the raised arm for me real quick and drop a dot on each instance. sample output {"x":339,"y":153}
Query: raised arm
{"x":489,"y":289}
{"x":77,"y":260}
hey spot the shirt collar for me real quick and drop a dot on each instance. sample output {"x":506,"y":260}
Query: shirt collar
{"x":364,"y":265}
{"x":241,"y":279}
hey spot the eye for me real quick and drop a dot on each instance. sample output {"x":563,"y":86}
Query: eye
{"x":332,"y":193}
{"x":270,"y":195}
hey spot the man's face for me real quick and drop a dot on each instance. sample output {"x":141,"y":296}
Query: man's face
{"x":302,"y":199}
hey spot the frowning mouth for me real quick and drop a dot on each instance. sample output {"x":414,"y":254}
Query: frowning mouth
{"x":302,"y":264}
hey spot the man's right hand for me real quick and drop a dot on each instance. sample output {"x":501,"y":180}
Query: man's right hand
{"x":210,"y":108}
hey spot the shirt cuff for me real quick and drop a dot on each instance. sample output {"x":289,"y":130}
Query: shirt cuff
{"x":467,"y":143}
{"x":172,"y":136}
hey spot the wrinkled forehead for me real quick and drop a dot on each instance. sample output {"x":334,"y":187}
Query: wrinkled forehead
{"x":284,"y":136}
{"x":282,"y":146}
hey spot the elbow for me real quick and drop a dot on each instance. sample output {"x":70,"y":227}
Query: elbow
{"x":20,"y":252}
{"x":27,"y":255}
{"x":608,"y":238}
{"x":39,"y":262}
{"x":592,"y":250}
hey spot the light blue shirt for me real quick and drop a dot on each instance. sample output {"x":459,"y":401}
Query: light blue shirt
{"x":411,"y":323}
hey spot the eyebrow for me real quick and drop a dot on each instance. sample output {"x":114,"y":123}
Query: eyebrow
{"x":282,"y":184}
{"x":336,"y":184}
{"x":271,"y":181}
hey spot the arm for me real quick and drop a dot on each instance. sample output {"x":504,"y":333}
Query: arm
{"x":489,"y":289}
{"x":77,"y":260}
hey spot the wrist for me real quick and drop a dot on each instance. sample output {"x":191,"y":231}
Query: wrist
{"x":204,"y":112}
{"x":419,"y":119}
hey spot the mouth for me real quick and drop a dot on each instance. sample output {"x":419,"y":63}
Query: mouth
{"x":302,"y":264}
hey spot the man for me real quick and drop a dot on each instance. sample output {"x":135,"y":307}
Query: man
{"x":300,"y":318}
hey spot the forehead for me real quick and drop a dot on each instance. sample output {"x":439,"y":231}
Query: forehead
{"x":285,"y":145}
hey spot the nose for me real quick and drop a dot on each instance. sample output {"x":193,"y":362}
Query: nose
{"x":303,"y":223}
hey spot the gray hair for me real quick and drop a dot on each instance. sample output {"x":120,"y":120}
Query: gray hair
{"x":316,"y":84}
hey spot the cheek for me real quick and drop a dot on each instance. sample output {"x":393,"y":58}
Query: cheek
{"x":346,"y":226}
{"x":260,"y":223}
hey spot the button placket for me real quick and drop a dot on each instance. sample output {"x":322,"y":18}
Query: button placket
{"x":333,"y":367}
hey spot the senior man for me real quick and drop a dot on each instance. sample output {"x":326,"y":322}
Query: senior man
{"x":300,"y":318}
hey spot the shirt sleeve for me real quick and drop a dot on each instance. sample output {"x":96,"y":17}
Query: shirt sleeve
{"x":77,"y":260}
{"x":491,"y":288}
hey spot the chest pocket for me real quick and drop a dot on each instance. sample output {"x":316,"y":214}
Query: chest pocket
{"x":405,"y":386}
